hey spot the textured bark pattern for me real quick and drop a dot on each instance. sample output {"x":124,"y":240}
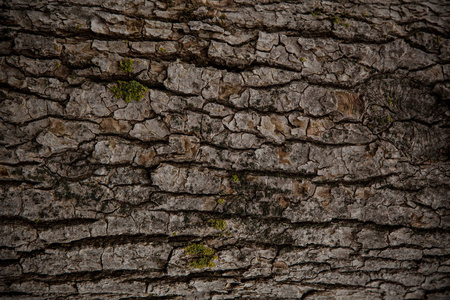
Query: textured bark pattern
{"x":317,"y":130}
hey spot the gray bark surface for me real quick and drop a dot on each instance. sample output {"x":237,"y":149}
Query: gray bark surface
{"x":305,"y":142}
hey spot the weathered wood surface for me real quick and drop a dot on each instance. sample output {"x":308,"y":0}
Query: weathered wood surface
{"x":323,"y":126}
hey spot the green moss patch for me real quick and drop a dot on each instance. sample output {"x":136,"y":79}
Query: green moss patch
{"x":129,"y":90}
{"x":127,"y":65}
{"x":202,"y":256}
{"x":219,"y":224}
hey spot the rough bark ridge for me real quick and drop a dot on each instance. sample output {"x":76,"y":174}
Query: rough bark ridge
{"x":318,"y":131}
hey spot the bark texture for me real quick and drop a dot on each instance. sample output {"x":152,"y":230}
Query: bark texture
{"x":305,"y":142}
